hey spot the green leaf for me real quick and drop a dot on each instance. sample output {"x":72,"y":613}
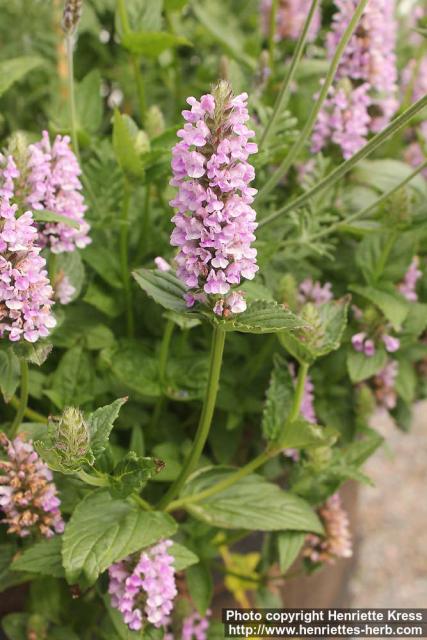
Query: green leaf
{"x":301,"y":434}
{"x":73,"y":379}
{"x":103,"y":530}
{"x":151,"y":44}
{"x":9,"y":373}
{"x":262,"y":316}
{"x":121,"y":629}
{"x":406,"y":381}
{"x":391,"y":303}
{"x":385,"y":174}
{"x":100,"y":424}
{"x":125,"y":146}
{"x":43,"y":557}
{"x":15,"y":626}
{"x":43,"y":215}
{"x":105,"y":263}
{"x":251,"y":503}
{"x":34,"y":353}
{"x":289,"y":544}
{"x":174,"y":5}
{"x":200,"y":586}
{"x":360,"y":367}
{"x":89,"y":102}
{"x":326,"y":325}
{"x":163,"y":287}
{"x":107,"y":302}
{"x":221,"y":31}
{"x":133,"y":367}
{"x":279,"y":398}
{"x":183,"y":320}
{"x":15,"y":69}
{"x":183,"y":557}
{"x":132,"y":473}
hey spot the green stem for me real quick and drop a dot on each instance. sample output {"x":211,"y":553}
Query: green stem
{"x":217,"y":349}
{"x":124,"y":258}
{"x":257,"y":462}
{"x":394,"y":127}
{"x":52,"y":268}
{"x":272,"y":31}
{"x":124,"y":21}
{"x":163,"y":359}
{"x":305,"y":133}
{"x":176,"y":64}
{"x":145,"y":221}
{"x":362,"y":213}
{"x":30,"y":413}
{"x":92,"y":480}
{"x":69,"y":43}
{"x":141,"y":502}
{"x":23,"y":399}
{"x":285,"y":90}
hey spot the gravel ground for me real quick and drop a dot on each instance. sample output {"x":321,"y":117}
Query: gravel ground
{"x":392,"y":565}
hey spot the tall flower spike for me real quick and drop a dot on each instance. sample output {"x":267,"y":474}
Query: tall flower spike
{"x":414,"y":80}
{"x":365,"y":97}
{"x":71,"y":16}
{"x":337,"y":540}
{"x":53,"y":183}
{"x":28,"y":497}
{"x":214,"y":223}
{"x":144,"y":589}
{"x":26,"y":296}
{"x":290,"y":18}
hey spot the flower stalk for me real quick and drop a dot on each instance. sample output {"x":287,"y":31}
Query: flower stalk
{"x":23,"y":399}
{"x":217,"y":349}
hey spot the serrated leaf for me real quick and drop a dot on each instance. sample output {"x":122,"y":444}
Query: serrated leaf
{"x":73,"y":379}
{"x":360,"y":367}
{"x":301,"y":434}
{"x":289,"y":544}
{"x":391,"y":303}
{"x":9,"y":373}
{"x":278,"y":401}
{"x":133,"y":367}
{"x":43,"y":557}
{"x":200,"y":586}
{"x":15,"y":69}
{"x":103,"y":530}
{"x":250,"y":503}
{"x":321,"y":337}
{"x":163,"y":287}
{"x":34,"y":353}
{"x":183,"y":320}
{"x":151,"y":44}
{"x":183,"y":557}
{"x":124,"y":144}
{"x":43,"y":215}
{"x":131,"y":474}
{"x":100,"y":424}
{"x":89,"y":102}
{"x":262,"y":316}
{"x":15,"y":626}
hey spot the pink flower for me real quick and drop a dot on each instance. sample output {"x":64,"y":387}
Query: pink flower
{"x":214,"y":223}
{"x":391,"y":343}
{"x":408,"y":287}
{"x":310,"y":291}
{"x":291,"y":15}
{"x":336,"y":542}
{"x":358,"y":341}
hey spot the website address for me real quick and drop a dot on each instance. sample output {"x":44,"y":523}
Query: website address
{"x":341,"y":631}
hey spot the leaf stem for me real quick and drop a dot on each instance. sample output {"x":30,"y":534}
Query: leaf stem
{"x":257,"y":462}
{"x":91,"y":480}
{"x":217,"y":349}
{"x":124,"y":258}
{"x":308,"y":127}
{"x":394,"y":127}
{"x":163,"y":359}
{"x":69,"y":43}
{"x":285,"y":90}
{"x":30,"y":413}
{"x":23,"y":400}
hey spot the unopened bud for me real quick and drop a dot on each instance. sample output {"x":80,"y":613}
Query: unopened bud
{"x":70,"y":437}
{"x":71,"y":16}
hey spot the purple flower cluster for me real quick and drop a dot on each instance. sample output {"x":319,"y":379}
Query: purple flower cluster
{"x":291,"y":15}
{"x":408,"y":286}
{"x":194,"y":627}
{"x":214,"y":223}
{"x":315,"y":292}
{"x":145,"y":588}
{"x":25,"y":292}
{"x":363,"y":344}
{"x":337,"y":540}
{"x":53,"y":183}
{"x":28,"y":497}
{"x":364,"y":99}
{"x":384,"y":385}
{"x":64,"y":290}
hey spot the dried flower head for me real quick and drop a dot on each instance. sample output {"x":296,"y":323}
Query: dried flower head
{"x":215,"y":224}
{"x":336,"y":542}
{"x":28,"y":497}
{"x":71,"y":16}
